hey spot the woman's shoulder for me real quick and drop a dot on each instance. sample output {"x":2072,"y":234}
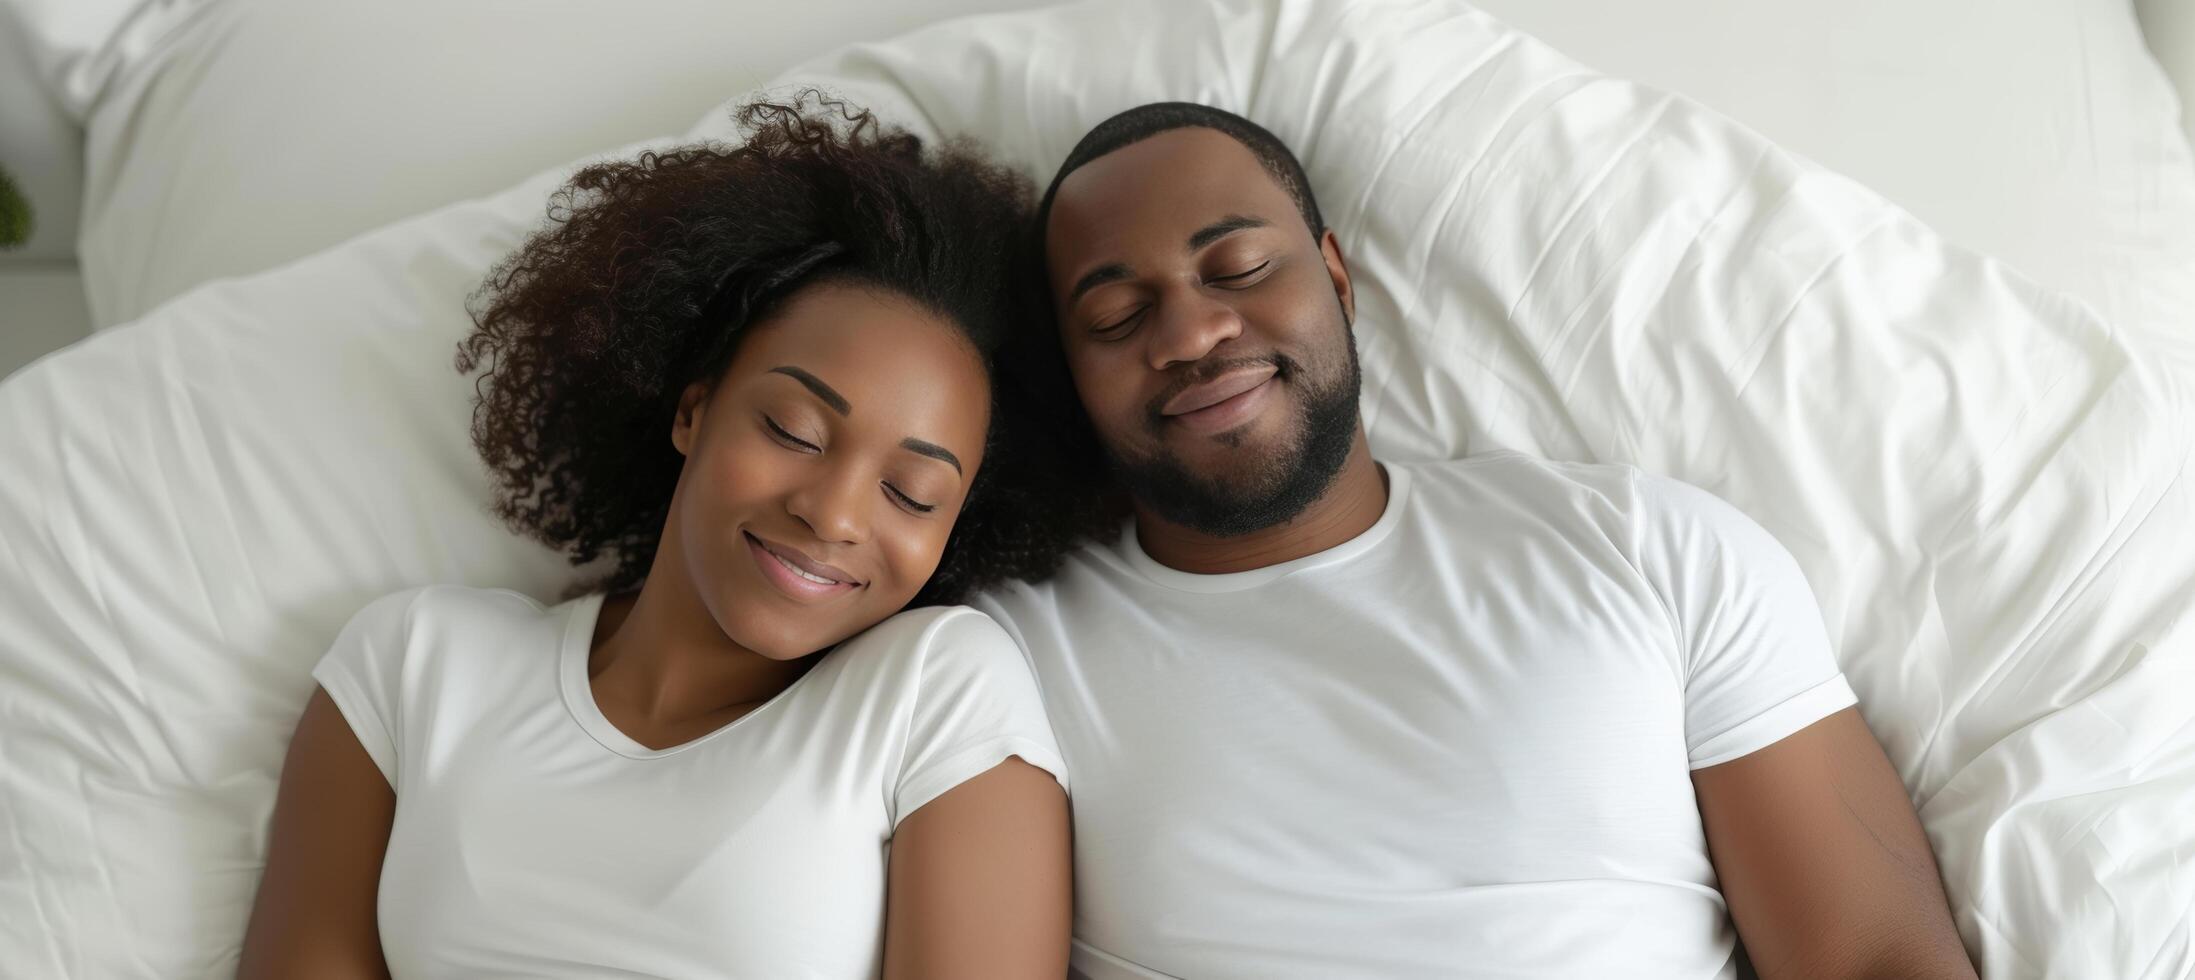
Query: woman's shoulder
{"x":926,"y":645}
{"x":933,"y":628}
{"x":428,"y":616}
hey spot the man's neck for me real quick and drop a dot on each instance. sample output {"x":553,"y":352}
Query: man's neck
{"x":1349,"y":507}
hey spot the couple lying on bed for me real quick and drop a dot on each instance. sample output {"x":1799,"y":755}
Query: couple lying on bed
{"x":1322,"y":716}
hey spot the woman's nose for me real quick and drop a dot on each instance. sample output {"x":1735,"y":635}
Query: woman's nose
{"x":835,"y":505}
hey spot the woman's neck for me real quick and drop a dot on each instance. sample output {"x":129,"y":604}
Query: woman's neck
{"x":662,"y":670}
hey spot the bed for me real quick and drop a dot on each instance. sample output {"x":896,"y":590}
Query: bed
{"x":1939,"y":347}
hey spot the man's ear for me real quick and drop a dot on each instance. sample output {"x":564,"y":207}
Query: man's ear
{"x":688,"y":417}
{"x":1337,"y":269}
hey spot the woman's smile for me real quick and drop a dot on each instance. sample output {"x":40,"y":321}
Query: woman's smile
{"x":797,"y":575}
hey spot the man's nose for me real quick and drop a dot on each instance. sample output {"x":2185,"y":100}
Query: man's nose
{"x":1188,"y":325}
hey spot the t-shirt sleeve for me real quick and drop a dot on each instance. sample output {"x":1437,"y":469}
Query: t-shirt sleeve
{"x":1754,"y":653}
{"x":362,"y":673}
{"x":976,"y":705}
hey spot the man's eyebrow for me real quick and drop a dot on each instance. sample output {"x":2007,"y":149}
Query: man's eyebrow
{"x":830,"y":396}
{"x":932,"y":450}
{"x":1110,"y":272}
{"x":1222,"y":228}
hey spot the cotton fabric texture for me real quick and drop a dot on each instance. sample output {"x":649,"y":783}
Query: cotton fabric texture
{"x":533,"y":838}
{"x":1462,"y":740}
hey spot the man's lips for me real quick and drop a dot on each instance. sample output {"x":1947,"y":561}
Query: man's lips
{"x":796,"y":572}
{"x":1206,"y":394}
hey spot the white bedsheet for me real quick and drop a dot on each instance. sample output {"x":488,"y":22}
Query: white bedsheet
{"x":1987,"y":485}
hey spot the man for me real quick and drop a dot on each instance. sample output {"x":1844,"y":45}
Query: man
{"x":1500,"y":717}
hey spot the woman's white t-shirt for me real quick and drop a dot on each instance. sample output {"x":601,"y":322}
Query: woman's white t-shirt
{"x":533,"y":838}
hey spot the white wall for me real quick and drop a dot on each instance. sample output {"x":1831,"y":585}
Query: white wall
{"x":41,"y":296}
{"x":41,"y":309}
{"x":2170,"y":28}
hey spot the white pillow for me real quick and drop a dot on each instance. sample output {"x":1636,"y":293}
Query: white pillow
{"x":2037,"y":131}
{"x":192,"y":506}
{"x":73,"y":48}
{"x":264,"y":130}
{"x":1986,"y":485}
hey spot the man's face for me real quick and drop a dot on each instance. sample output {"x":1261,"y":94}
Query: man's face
{"x":1207,"y":330}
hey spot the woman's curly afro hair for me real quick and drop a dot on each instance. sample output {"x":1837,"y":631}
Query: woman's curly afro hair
{"x":651,"y":269}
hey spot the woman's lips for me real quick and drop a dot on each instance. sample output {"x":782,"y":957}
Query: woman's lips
{"x":796,"y":574}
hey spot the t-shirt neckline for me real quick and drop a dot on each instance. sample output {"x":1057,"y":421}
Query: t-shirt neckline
{"x":1130,"y":550}
{"x":579,"y":702}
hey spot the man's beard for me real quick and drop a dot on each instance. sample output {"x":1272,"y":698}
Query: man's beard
{"x":1278,"y":486}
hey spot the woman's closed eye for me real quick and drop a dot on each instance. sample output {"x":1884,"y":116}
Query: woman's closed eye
{"x":787,"y":439}
{"x":901,"y":498}
{"x":784,"y":437}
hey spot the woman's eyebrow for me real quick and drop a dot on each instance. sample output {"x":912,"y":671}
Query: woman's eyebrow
{"x":829,"y":395}
{"x":932,"y":450}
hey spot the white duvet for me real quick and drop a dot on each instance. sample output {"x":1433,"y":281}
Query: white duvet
{"x":1988,"y":487}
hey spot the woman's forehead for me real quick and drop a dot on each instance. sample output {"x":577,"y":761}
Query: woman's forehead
{"x":858,"y":327}
{"x":882,"y":357}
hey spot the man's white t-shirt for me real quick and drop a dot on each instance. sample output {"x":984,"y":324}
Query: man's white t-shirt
{"x":1458,"y":745}
{"x":533,"y":838}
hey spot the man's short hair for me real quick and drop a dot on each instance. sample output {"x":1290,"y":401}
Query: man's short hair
{"x":1145,"y":121}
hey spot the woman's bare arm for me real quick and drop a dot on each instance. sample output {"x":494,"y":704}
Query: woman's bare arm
{"x":981,"y":882}
{"x":315,"y":913}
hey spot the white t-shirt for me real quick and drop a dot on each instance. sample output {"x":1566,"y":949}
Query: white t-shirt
{"x":533,"y":838}
{"x":1458,"y":745}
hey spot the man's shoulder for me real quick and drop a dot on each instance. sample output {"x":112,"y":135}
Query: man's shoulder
{"x":1014,"y":598}
{"x":1092,"y":569}
{"x":1621,"y":500}
{"x":1611,"y":497}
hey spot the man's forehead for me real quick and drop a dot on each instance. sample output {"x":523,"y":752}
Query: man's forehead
{"x":1170,"y":182}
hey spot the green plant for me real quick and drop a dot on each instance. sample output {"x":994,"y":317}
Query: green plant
{"x":15,"y":216}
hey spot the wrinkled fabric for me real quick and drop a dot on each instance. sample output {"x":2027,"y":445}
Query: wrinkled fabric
{"x":1986,"y":484}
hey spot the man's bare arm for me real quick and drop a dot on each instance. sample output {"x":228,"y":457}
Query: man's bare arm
{"x":1824,"y":863}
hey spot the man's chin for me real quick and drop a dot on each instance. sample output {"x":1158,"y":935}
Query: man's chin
{"x":1244,"y":463}
{"x":1250,"y":477}
{"x":1224,"y":493}
{"x":1263,"y":438}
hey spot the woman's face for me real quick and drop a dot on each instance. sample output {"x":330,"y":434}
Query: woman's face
{"x":826,"y":467}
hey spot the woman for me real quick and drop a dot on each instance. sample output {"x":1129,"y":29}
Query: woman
{"x":758,"y":381}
